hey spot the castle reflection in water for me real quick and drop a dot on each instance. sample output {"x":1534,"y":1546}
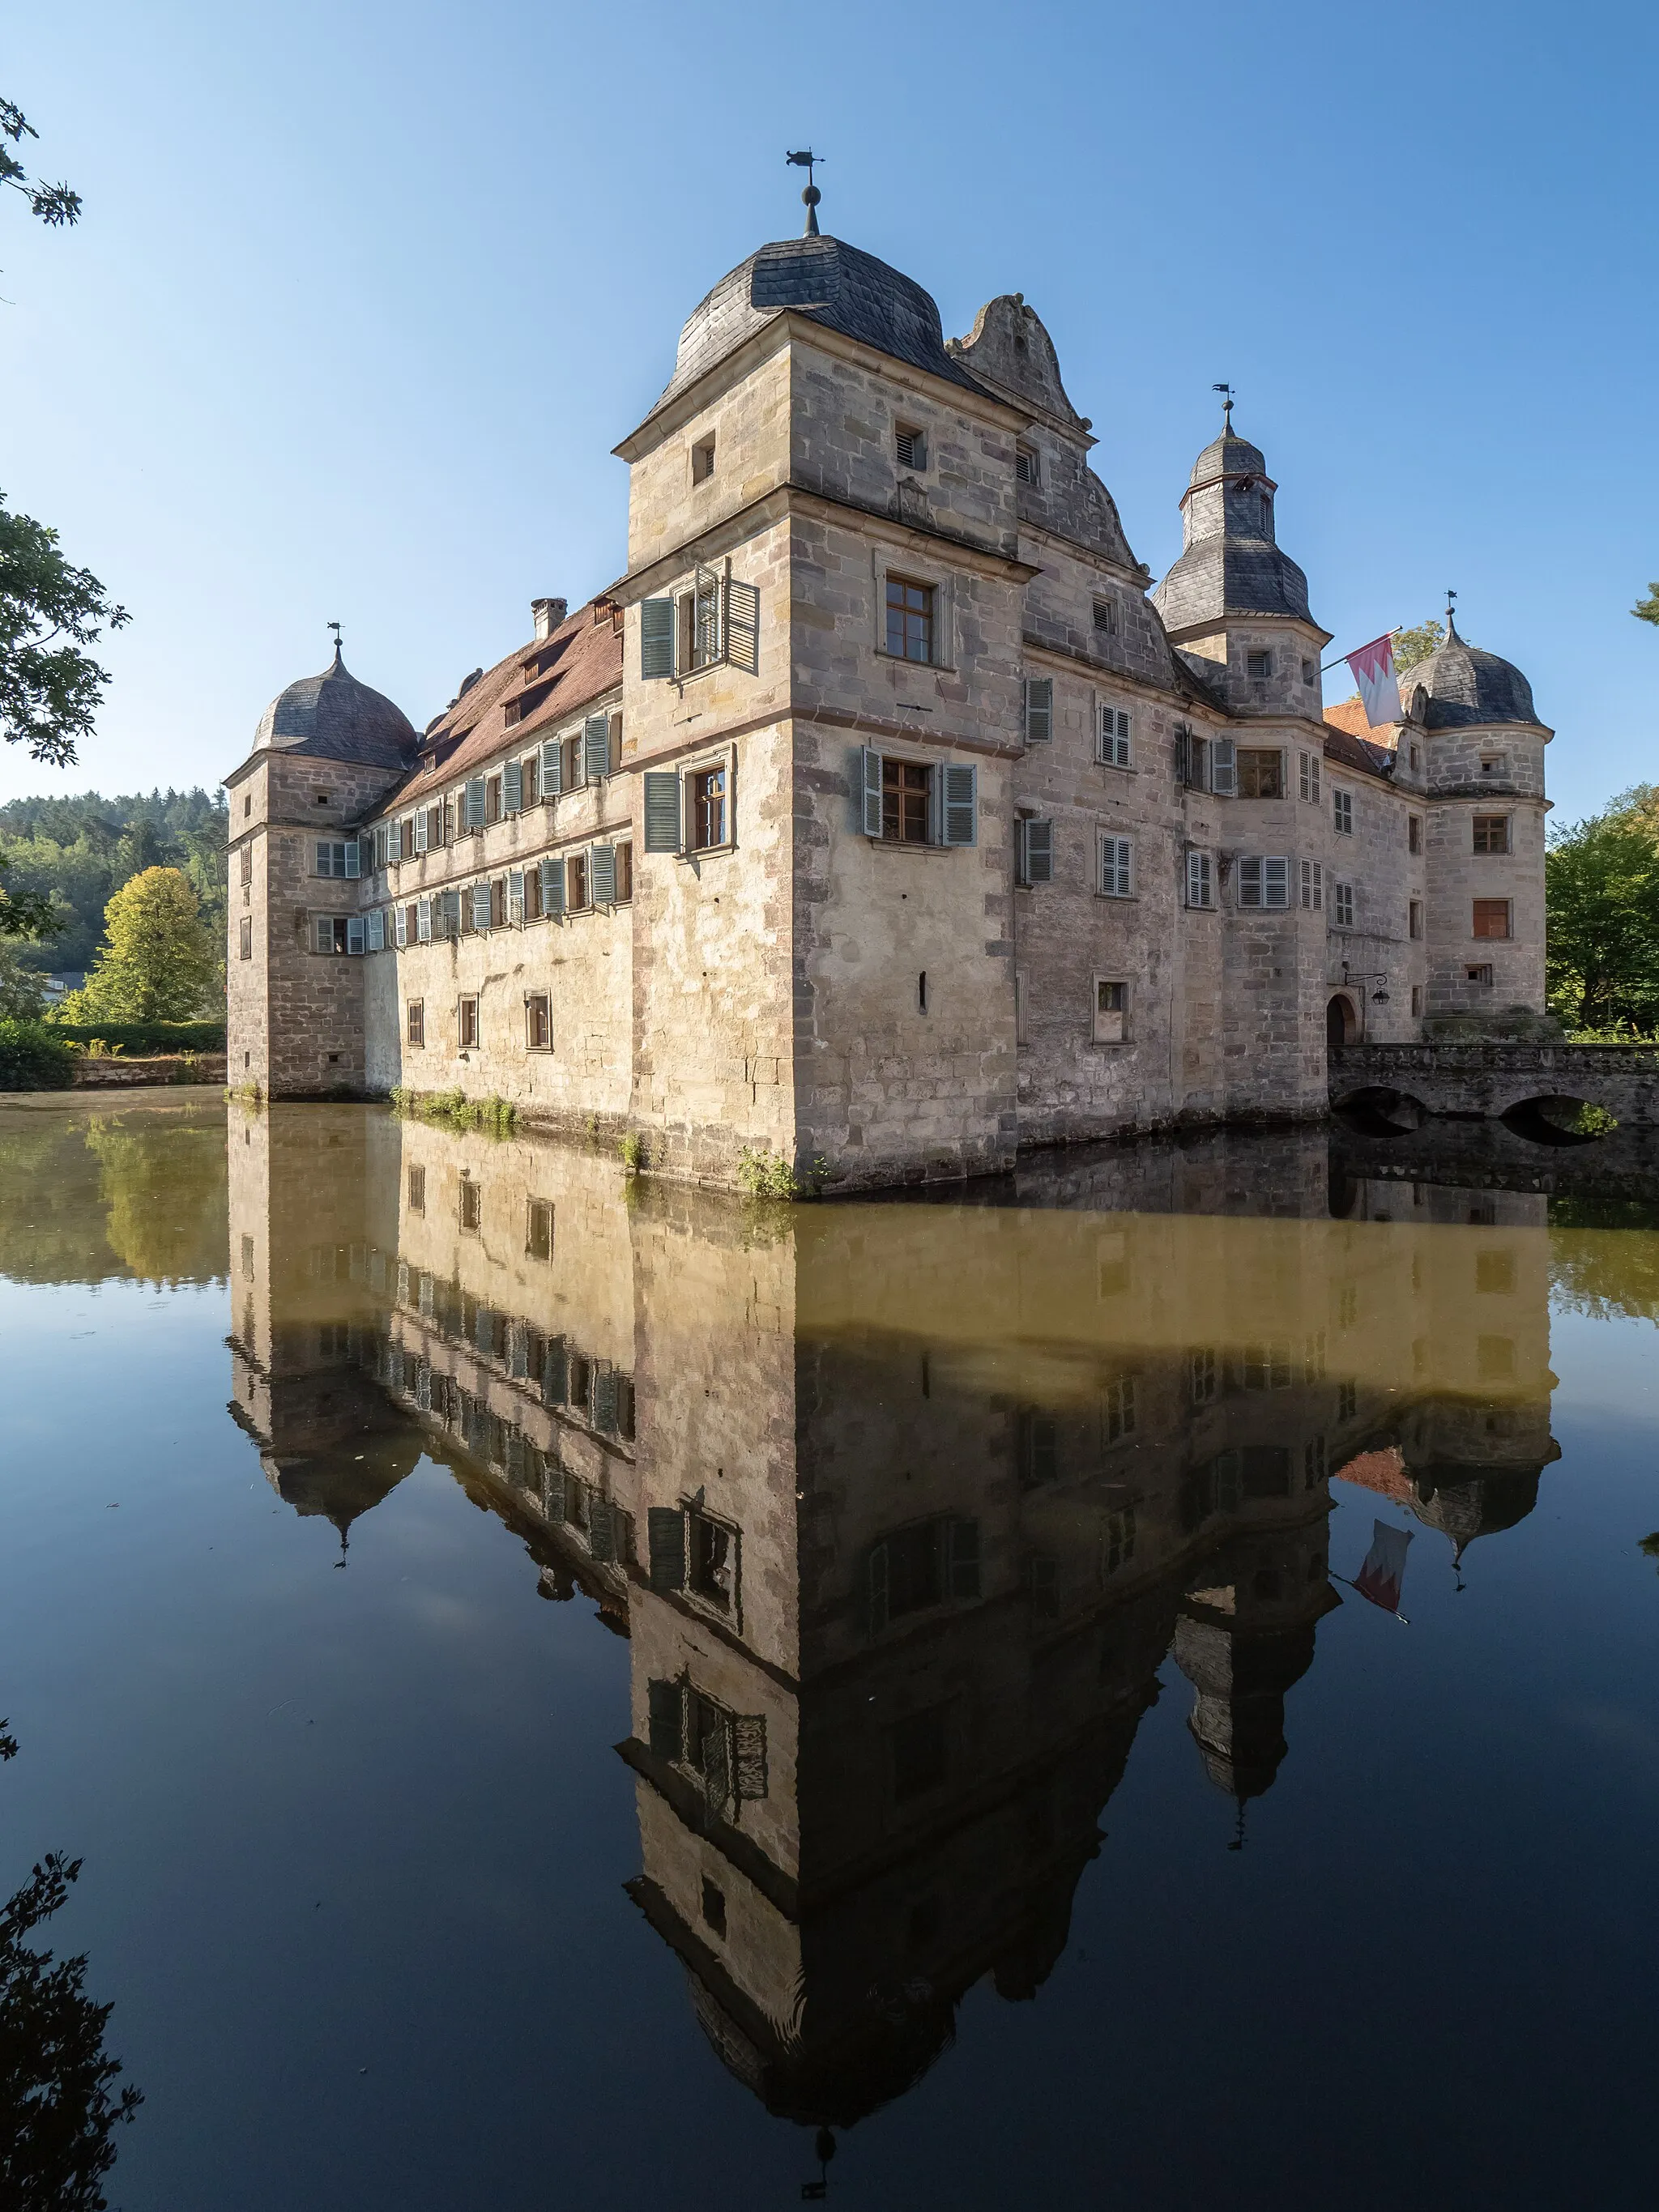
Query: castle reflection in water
{"x":902,"y":1507}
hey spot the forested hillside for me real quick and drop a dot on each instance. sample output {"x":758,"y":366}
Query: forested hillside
{"x":82,"y":849}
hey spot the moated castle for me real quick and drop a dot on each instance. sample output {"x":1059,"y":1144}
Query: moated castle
{"x":881,"y":815}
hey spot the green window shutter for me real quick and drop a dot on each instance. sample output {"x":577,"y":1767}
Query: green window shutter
{"x":515,"y":895}
{"x":665,"y":1537}
{"x":1224,"y":767}
{"x":665,"y":1704}
{"x":512,"y":791}
{"x":656,"y":638}
{"x":451,"y":914}
{"x":553,"y":887}
{"x":480,"y":906}
{"x":961,"y":1553}
{"x":662,"y":811}
{"x":875,"y":1590}
{"x":602,"y":863}
{"x":867,"y":784}
{"x":960,"y":810}
{"x":596,"y":748}
{"x":605,"y":1398}
{"x":422,"y":830}
{"x":556,"y":1371}
{"x":518,"y":1350}
{"x":743,"y":626}
{"x":601,"y":1530}
{"x":716,"y":1749}
{"x":355,"y":933}
{"x":376,"y":919}
{"x":474,"y":803}
{"x":1037,"y":855}
{"x":554,"y":1493}
{"x":1039,"y":709}
{"x":749,"y":1743}
{"x":359,"y":863}
{"x":552,"y":768}
{"x":484,"y":1326}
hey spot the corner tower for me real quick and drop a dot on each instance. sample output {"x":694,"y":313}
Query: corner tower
{"x":325,"y":750}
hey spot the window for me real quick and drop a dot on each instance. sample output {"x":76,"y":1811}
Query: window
{"x":466,"y":1022}
{"x":707,"y":795}
{"x":1106,"y":617}
{"x":1342,"y":812}
{"x":909,"y":619}
{"x":1113,"y":738}
{"x":336,"y":858}
{"x":713,"y":1908}
{"x":471,"y":1203}
{"x":538,"y":1229}
{"x":1307,"y":775}
{"x":1034,"y":851}
{"x":1259,"y":664}
{"x":400,"y":929}
{"x":1494,"y":763}
{"x":1494,"y":1273}
{"x":1310,"y":672}
{"x":1480,"y":973}
{"x":576,"y":890}
{"x":376,"y":919}
{"x":1027,"y":467}
{"x":927,"y":1565}
{"x":702,"y":460}
{"x":492,"y":798}
{"x":1116,"y":867}
{"x":1491,"y":918}
{"x":1416,"y":752}
{"x":1264,"y":881}
{"x":472,"y":804}
{"x":422,"y":921}
{"x":1491,"y":833}
{"x":717,"y":620}
{"x":1111,"y":1011}
{"x":1200,"y":880}
{"x":885,"y":801}
{"x":1413,"y":833}
{"x":324,"y":798}
{"x":498,"y":899}
{"x":530,"y":779}
{"x":1261,"y":775}
{"x":1342,"y":905}
{"x":1494,"y":1359}
{"x":1203,"y":1376}
{"x":338,"y":933}
{"x":712,"y":1565}
{"x":910,"y":446}
{"x":1417,"y":1000}
{"x":246,"y":944}
{"x":417,"y":1190}
{"x":1039,"y":709}
{"x":538,"y":1022}
{"x":1313,"y":885}
{"x":245,"y":863}
{"x":478,"y":906}
{"x":1414,"y":918}
{"x":625,"y":874}
{"x":247,"y":807}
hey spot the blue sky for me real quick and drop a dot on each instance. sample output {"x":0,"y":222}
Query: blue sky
{"x":364,"y":294}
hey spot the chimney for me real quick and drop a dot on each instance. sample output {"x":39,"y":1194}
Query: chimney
{"x":548,"y":614}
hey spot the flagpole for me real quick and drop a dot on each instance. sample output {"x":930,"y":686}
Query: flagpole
{"x":1336,"y":1577}
{"x":1341,"y":660}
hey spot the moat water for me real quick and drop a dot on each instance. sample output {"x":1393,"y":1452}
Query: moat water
{"x":570,"y":1692}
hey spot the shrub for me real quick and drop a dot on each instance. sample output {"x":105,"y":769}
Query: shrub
{"x":139,"y":1037}
{"x":632,"y":1148}
{"x":764,"y":1174}
{"x":33,"y":1059}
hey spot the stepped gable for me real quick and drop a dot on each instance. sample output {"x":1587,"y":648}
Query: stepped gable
{"x":561,"y":674}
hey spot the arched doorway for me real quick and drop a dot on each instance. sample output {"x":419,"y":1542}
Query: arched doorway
{"x":1341,"y":1022}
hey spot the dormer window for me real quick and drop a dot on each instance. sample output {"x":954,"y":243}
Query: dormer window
{"x":910,"y":446}
{"x":702,"y":460}
{"x":1026,"y":467}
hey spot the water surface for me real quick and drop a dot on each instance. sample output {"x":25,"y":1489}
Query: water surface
{"x":566,"y":1689}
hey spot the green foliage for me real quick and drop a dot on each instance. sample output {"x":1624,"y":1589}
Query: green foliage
{"x":143,"y":1037}
{"x":55,"y":2077}
{"x":1601,"y":894}
{"x":1414,"y":645}
{"x":22,"y":994}
{"x":158,"y":963}
{"x":453,"y":1110}
{"x":765,"y":1174}
{"x":1647,"y":609}
{"x":55,"y":205}
{"x":631,"y":1150}
{"x":32,"y":1058}
{"x":51,"y":687}
{"x":1651,"y":1544}
{"x":70,"y":855}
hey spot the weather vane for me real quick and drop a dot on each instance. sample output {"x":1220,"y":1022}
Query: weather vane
{"x":811,"y":195}
{"x":1226,"y":391}
{"x":334,"y":626}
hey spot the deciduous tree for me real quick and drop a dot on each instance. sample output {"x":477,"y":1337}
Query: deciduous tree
{"x":159,"y":962}
{"x":1602,"y":892}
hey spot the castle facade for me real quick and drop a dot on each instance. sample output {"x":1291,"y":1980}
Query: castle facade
{"x":882,"y":819}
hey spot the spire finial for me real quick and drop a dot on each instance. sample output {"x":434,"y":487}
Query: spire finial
{"x":1451,"y":615}
{"x":1226,"y":391}
{"x":811,"y":196}
{"x":334,"y":626}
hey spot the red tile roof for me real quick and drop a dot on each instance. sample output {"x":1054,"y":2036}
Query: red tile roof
{"x":1383,"y":1471}
{"x":589,"y":649}
{"x":1350,"y":738}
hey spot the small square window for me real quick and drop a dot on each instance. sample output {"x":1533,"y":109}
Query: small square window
{"x":910,"y":446}
{"x":1494,"y":763}
{"x":1478,"y":972}
{"x":702,"y":460}
{"x":538,"y":1022}
{"x":1111,"y":1011}
{"x":323,"y":797}
{"x":538,"y":1229}
{"x":1106,"y":617}
{"x":1491,"y":833}
{"x":1491,"y":918}
{"x":909,"y":620}
{"x":471,"y":1204}
{"x":1258,"y":665}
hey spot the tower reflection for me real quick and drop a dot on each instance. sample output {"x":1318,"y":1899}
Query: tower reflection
{"x":903,"y":1509}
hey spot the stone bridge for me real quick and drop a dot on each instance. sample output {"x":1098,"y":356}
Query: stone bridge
{"x":1488,"y":1080}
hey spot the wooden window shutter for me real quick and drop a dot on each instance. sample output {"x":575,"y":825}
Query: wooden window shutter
{"x":400,"y":925}
{"x":1224,"y":767}
{"x":596,"y":748}
{"x":553,"y":888}
{"x":474,"y":803}
{"x":743,"y":626}
{"x":960,"y":810}
{"x":1037,"y":843}
{"x":961,"y":1557}
{"x":656,"y":638}
{"x":1039,"y":709}
{"x":666,"y":1711}
{"x":662,"y":811}
{"x":749,"y":1743}
{"x":355,"y":933}
{"x":664,"y":1538}
{"x":354,"y":858}
{"x":601,"y":877}
{"x":515,"y":895}
{"x":480,"y":906}
{"x":601,"y":1529}
{"x":512,"y":790}
{"x":394,"y":841}
{"x":866,"y":783}
{"x":552,"y":768}
{"x":556,"y":1371}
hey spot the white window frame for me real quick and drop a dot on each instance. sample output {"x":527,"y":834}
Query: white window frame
{"x":1113,"y":736}
{"x":1114,"y":870}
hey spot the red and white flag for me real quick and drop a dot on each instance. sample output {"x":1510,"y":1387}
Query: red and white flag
{"x":1373,"y":671}
{"x":1384,"y":1570}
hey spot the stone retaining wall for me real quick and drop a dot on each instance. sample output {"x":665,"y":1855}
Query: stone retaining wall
{"x":119,"y":1073}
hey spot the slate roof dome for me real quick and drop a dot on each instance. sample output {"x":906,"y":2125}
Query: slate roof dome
{"x":337,"y":718}
{"x":1229,"y":455}
{"x":1467,"y":688}
{"x":838,"y":286}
